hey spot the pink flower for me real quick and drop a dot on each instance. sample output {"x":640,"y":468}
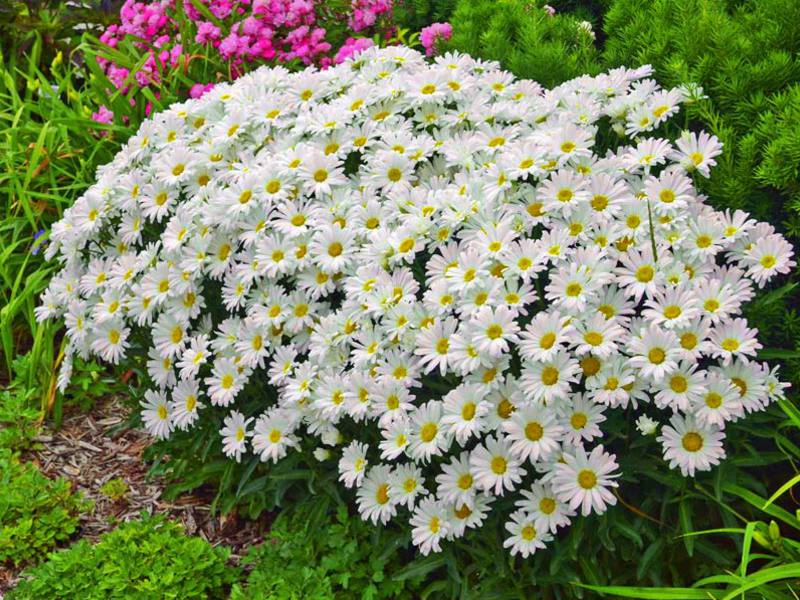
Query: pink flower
{"x":103,"y":115}
{"x":433,"y":34}
{"x":351,"y":47}
{"x":206,"y":32}
{"x":198,"y":89}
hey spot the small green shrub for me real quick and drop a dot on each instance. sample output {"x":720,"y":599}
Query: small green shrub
{"x":36,"y":513}
{"x":18,"y":418}
{"x":311,"y":554}
{"x":525,"y":39}
{"x":114,"y":489}
{"x":149,"y":558}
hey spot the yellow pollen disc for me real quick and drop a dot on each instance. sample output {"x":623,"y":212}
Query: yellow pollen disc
{"x":463,"y":512}
{"x":612,"y":383}
{"x":692,"y":441}
{"x":574,"y":289}
{"x":275,"y":436}
{"x":394,"y":174}
{"x":549,"y":375}
{"x":578,"y":420}
{"x":768,"y":261}
{"x":593,"y":338}
{"x":587,"y":479}
{"x":468,"y":411}
{"x":177,"y":335}
{"x":547,"y":505}
{"x":177,"y":170}
{"x":434,"y":525}
{"x":406,"y":245}
{"x":713,"y":400}
{"x":703,"y":241}
{"x":245,"y":196}
{"x":599,"y":202}
{"x":564,"y":195}
{"x":534,"y":431}
{"x":505,"y":408}
{"x":672,"y":312}
{"x":428,"y":431}
{"x":678,"y":384}
{"x":114,"y":336}
{"x":335,"y":249}
{"x":465,"y":481}
{"x":688,"y":341}
{"x":227,"y":381}
{"x":656,"y":356}
{"x":191,"y":402}
{"x":162,"y":412}
{"x":590,"y":365}
{"x":667,"y":196}
{"x":392,"y":402}
{"x":697,"y":158}
{"x":645,"y":274}
{"x":547,"y":340}
{"x":528,"y":533}
{"x":567,"y":147}
{"x":239,"y":434}
{"x":730,"y":344}
{"x":320,"y":175}
{"x":494,"y":332}
{"x":741,"y":384}
{"x":499,"y":465}
{"x":382,"y":493}
{"x":711,"y":305}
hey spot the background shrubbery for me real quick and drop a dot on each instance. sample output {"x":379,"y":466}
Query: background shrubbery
{"x":743,"y":53}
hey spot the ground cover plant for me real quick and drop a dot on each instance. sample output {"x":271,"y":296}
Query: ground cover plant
{"x":36,"y":513}
{"x":731,"y":531}
{"x":147,"y":558}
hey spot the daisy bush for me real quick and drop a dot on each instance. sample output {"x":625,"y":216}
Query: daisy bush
{"x":440,"y":279}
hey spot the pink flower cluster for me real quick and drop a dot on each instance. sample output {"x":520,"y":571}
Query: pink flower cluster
{"x":433,"y":34}
{"x":243,"y":31}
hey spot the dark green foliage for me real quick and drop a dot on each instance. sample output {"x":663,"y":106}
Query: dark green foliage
{"x":742,"y":53}
{"x":18,"y":418}
{"x":147,"y":559}
{"x":777,"y":135}
{"x":36,"y":513}
{"x":416,"y":14}
{"x":310,"y":553}
{"x":525,"y":39}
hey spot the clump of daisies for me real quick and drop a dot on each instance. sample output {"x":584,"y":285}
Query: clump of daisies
{"x":444,"y":280}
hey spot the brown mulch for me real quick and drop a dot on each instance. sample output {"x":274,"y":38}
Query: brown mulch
{"x":91,"y":448}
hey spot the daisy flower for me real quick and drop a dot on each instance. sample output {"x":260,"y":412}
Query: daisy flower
{"x":525,"y":538}
{"x":234,"y":434}
{"x":585,"y":480}
{"x":156,"y":414}
{"x":430,"y":525}
{"x":690,"y":446}
{"x":353,"y":464}
{"x":495,"y":467}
